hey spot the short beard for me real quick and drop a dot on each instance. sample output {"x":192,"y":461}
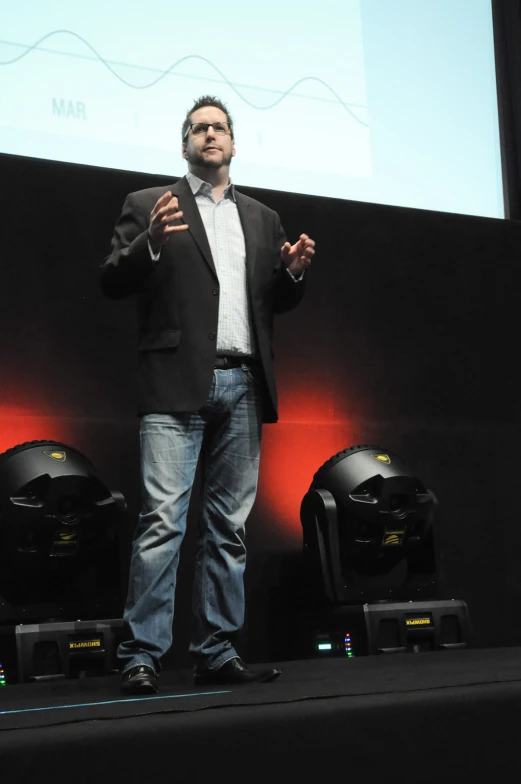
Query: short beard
{"x":196,"y":159}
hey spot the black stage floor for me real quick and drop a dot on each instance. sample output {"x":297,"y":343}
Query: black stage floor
{"x":443,"y":716}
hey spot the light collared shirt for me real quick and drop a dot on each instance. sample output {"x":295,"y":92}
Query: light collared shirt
{"x":226,"y":239}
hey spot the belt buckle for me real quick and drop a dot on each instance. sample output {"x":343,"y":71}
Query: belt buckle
{"x":222,"y":362}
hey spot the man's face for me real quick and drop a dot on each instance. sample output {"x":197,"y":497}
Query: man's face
{"x":208,"y":149}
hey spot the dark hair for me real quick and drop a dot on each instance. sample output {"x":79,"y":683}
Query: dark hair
{"x":206,"y":100}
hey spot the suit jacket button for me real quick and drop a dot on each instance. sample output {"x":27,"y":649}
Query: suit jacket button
{"x":212,"y":335}
{"x":215,"y":292}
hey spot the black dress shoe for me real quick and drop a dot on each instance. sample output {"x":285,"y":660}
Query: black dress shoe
{"x":139,"y":680}
{"x":234,"y":671}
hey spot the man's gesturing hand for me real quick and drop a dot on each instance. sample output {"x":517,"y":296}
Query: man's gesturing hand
{"x":298,"y":257}
{"x":166,"y":210}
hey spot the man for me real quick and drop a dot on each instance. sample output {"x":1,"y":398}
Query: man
{"x":210,"y":267}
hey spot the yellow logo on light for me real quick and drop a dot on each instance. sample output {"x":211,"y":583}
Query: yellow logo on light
{"x":60,"y":456}
{"x":392,"y":539}
{"x":85,"y":644}
{"x":382,"y":459}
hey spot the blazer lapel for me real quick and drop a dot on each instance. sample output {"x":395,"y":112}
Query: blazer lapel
{"x":249,"y":230}
{"x":192,"y":216}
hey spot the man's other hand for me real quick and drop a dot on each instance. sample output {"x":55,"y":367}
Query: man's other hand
{"x":166,"y":211}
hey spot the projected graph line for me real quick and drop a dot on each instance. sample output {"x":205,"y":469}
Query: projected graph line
{"x":171,"y":69}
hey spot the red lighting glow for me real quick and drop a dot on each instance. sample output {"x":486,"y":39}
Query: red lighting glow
{"x":18,"y":425}
{"x":291,"y":454}
{"x":313,"y":426}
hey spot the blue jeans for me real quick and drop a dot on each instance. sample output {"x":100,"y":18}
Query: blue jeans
{"x":226,"y":432}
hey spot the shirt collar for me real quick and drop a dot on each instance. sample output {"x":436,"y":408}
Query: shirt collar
{"x":201,"y":186}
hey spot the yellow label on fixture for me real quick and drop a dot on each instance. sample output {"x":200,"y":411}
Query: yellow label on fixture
{"x":60,"y":456}
{"x":418,"y":622}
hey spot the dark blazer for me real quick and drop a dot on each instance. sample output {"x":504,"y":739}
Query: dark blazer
{"x":178,"y":298}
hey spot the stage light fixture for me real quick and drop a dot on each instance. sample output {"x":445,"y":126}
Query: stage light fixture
{"x":368,"y":528}
{"x":369,"y":573}
{"x":59,"y":524}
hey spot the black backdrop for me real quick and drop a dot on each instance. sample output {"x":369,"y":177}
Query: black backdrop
{"x":408,"y":338}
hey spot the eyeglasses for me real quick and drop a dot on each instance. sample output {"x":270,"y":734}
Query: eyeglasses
{"x":198,"y":129}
